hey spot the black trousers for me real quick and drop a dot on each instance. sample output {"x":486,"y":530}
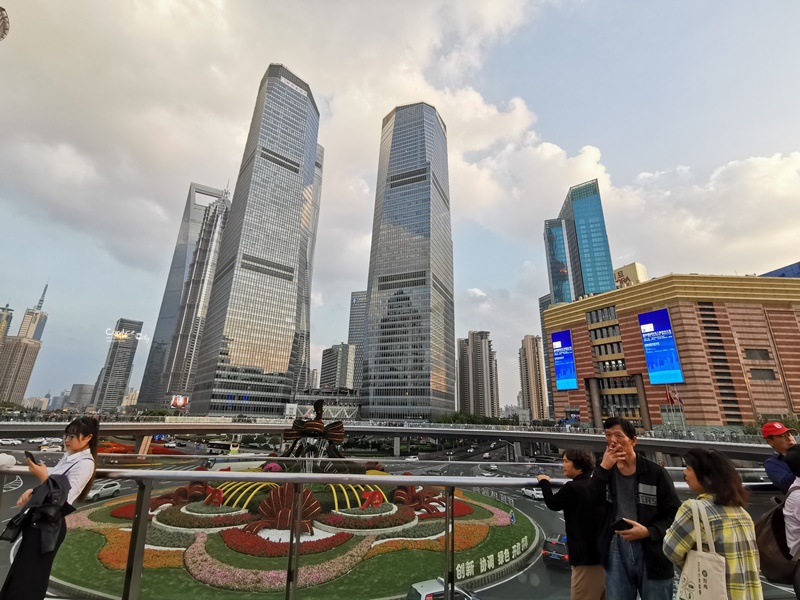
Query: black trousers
{"x":29,"y":575}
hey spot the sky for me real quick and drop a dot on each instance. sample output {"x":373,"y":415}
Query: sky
{"x":685,"y":112}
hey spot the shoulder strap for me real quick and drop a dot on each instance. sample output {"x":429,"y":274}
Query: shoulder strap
{"x":698,"y":513}
{"x":75,"y":463}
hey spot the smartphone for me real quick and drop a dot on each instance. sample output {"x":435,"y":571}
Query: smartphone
{"x":30,"y":457}
{"x":620,"y":525}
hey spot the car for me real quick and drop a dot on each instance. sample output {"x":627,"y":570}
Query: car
{"x":38,"y":440}
{"x":13,"y":442}
{"x":555,"y":552}
{"x":51,"y":448}
{"x":485,"y":456}
{"x":449,"y":453}
{"x":493,"y":445}
{"x":170,"y":445}
{"x":493,"y":467}
{"x":412,"y":458}
{"x":535,"y":493}
{"x":5,"y":442}
{"x":103,"y":489}
{"x":433,"y":589}
{"x":182,"y":443}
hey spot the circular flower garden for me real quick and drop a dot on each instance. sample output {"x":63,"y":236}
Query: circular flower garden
{"x":233,"y":542}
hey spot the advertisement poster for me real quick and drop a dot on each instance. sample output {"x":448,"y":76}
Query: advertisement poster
{"x":179,"y":402}
{"x":564,"y":361}
{"x":660,"y":350}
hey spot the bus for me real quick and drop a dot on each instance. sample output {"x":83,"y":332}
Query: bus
{"x":219,"y":447}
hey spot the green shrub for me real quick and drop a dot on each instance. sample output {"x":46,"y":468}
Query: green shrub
{"x":156,"y":536}
{"x":422,"y":530}
{"x":199,"y":508}
{"x":370,"y":510}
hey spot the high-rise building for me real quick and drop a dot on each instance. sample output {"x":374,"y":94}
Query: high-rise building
{"x":256,"y":344}
{"x":119,"y":362}
{"x":576,"y":244}
{"x":81,"y":395}
{"x":792,"y":270}
{"x":314,"y":384}
{"x":18,"y":353}
{"x":533,"y":378}
{"x":478,"y":392}
{"x":181,"y":365}
{"x":545,"y":303}
{"x":356,"y":333}
{"x":338,"y":363}
{"x":155,"y":379}
{"x":409,"y":354}
{"x":6,"y":315}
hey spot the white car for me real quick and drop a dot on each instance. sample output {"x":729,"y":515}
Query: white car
{"x":534,"y":493}
{"x":51,"y":448}
{"x":15,"y":442}
{"x":493,"y":467}
{"x":170,"y":445}
{"x":412,"y":458}
{"x":39,"y":440}
{"x":6,"y":442}
{"x":103,"y":489}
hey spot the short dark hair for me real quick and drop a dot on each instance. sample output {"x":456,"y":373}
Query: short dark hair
{"x":716,"y":473}
{"x":627,"y":427}
{"x":792,"y":460}
{"x":582,"y":459}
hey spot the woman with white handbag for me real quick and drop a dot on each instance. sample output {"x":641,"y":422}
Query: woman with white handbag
{"x":712,"y":539}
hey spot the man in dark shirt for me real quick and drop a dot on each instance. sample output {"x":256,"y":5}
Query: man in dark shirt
{"x":581,"y":522}
{"x":781,"y":438}
{"x":641,"y":503}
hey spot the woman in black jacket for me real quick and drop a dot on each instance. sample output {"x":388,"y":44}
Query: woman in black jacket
{"x":581,"y":522}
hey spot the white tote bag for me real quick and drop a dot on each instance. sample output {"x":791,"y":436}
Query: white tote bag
{"x":703,"y":574}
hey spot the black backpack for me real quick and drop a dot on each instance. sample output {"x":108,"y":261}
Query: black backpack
{"x":777,"y":564}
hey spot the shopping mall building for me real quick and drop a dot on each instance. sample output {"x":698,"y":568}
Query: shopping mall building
{"x":679,"y":350}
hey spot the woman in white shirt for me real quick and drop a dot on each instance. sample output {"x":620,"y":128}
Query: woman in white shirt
{"x":30,"y":572}
{"x":791,"y":510}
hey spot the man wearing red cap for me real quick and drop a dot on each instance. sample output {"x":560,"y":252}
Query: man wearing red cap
{"x":781,"y":438}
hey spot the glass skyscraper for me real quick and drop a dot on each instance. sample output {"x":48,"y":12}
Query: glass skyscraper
{"x":409,"y":356}
{"x":255,"y":348}
{"x":357,"y":332}
{"x":116,"y":372}
{"x":576,"y":243}
{"x":154,"y":381}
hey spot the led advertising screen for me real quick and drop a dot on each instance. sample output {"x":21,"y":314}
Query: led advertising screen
{"x":179,"y":402}
{"x":660,"y":351}
{"x":564,"y":361}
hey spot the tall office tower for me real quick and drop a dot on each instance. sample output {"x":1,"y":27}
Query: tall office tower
{"x":532,"y":377}
{"x":478,"y":392}
{"x":409,"y":353}
{"x":255,"y":348}
{"x":19,"y":352}
{"x":576,"y":243}
{"x":356,"y":334}
{"x":314,"y":383}
{"x":117,"y":369}
{"x":181,"y":365}
{"x":81,"y":395}
{"x":6,"y":315}
{"x":155,"y":377}
{"x":544,"y":303}
{"x":337,"y":367}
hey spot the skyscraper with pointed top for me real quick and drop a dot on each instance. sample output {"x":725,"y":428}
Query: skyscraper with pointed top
{"x":18,"y":353}
{"x":409,"y":354}
{"x":255,"y":348}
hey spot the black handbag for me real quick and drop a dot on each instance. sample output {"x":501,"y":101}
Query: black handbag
{"x":15,"y":525}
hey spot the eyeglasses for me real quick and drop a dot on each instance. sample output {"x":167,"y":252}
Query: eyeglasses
{"x":69,"y":437}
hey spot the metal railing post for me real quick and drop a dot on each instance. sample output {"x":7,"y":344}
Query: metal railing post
{"x":133,"y":568}
{"x":294,"y":542}
{"x":449,"y":544}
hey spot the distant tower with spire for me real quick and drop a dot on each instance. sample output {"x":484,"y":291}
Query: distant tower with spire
{"x":18,"y":353}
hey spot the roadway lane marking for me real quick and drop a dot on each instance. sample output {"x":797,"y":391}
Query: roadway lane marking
{"x":13,"y":485}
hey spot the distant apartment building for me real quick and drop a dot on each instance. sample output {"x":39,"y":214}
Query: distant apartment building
{"x":478,"y":392}
{"x":533,"y":378}
{"x":116,"y":373}
{"x":18,"y":353}
{"x":337,"y":367}
{"x":680,"y":349}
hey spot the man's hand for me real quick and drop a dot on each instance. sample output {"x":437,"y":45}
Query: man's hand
{"x":26,"y":495}
{"x":39,"y":470}
{"x":543,"y":477}
{"x":610,"y":456}
{"x":637,"y":532}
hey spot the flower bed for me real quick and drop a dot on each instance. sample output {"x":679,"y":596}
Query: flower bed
{"x":460,"y":509}
{"x":466,"y":538}
{"x":210,"y":571}
{"x":168,"y":538}
{"x":175,"y":517}
{"x":423,"y":530}
{"x":128,"y":511}
{"x":402,"y":516}
{"x":255,"y":545}
{"x":199,"y":508}
{"x":114,"y":555}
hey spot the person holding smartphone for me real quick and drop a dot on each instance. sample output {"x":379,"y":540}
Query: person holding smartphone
{"x":29,"y":574}
{"x":640,"y":502}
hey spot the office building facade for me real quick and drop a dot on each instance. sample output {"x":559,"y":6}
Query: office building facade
{"x":80,"y":396}
{"x":533,"y":378}
{"x":409,"y":356}
{"x":735,"y":352}
{"x":478,"y":392}
{"x":18,"y":353}
{"x":255,"y":348}
{"x":180,"y":273}
{"x":356,"y":333}
{"x":338,"y":363}
{"x":116,"y":373}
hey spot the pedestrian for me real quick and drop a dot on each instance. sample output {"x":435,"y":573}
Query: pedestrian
{"x":781,"y":438}
{"x":640,"y":504}
{"x":29,"y":574}
{"x":791,"y":511}
{"x":712,"y":475}
{"x":580,"y":522}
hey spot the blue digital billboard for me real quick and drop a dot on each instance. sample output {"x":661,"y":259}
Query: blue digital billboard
{"x":564,"y":361}
{"x":660,"y":351}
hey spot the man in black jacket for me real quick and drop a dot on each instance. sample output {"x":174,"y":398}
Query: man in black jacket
{"x":581,"y":521}
{"x":641,"y":504}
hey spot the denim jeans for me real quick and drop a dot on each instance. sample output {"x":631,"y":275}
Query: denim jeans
{"x":626,"y":574}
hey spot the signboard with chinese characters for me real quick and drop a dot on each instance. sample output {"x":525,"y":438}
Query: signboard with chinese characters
{"x":660,"y":350}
